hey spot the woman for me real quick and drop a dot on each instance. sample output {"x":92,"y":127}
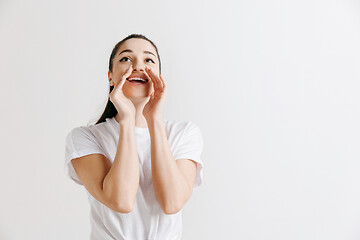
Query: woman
{"x":139,"y":170}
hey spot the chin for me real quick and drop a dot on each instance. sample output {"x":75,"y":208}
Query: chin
{"x":137,"y":97}
{"x":130,"y":93}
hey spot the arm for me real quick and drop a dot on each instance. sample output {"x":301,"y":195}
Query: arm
{"x":114,"y":185}
{"x":122,"y":181}
{"x":173,"y":180}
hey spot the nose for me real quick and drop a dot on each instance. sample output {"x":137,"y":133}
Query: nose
{"x":138,"y":67}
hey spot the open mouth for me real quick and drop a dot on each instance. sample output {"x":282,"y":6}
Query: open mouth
{"x":137,"y":80}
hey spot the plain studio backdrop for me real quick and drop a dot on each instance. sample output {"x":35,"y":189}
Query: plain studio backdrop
{"x":273,"y":85}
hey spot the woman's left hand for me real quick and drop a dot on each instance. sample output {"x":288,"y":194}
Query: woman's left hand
{"x":154,"y":108}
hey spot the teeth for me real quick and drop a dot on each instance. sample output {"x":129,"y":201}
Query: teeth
{"x":136,"y":78}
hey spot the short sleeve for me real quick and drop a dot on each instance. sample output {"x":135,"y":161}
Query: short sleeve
{"x":190,"y":146}
{"x":79,"y":142}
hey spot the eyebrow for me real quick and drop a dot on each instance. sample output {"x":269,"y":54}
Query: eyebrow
{"x":128,"y":50}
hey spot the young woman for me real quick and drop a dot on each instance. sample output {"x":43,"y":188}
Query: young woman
{"x":138,"y":169}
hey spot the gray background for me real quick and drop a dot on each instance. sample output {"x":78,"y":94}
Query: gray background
{"x":273,"y":85}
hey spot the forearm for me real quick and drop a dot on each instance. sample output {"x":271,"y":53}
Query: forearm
{"x":122,"y":181}
{"x":169,"y":183}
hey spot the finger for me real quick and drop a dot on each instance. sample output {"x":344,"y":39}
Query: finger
{"x":147,"y":75}
{"x":155,"y":79}
{"x":163,"y":81}
{"x":125,"y":76}
{"x":152,"y":77}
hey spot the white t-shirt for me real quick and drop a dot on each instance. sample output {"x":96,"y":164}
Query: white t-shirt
{"x":146,"y":220}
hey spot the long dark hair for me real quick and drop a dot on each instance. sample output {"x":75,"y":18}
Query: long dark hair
{"x":110,"y":110}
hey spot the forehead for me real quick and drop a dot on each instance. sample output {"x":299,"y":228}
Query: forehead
{"x":137,"y":46}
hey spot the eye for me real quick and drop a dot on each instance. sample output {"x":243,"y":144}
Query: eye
{"x":121,"y":60}
{"x":150,"y":60}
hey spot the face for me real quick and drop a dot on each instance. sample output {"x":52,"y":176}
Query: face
{"x":138,"y":53}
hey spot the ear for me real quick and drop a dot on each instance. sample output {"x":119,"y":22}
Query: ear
{"x":111,"y":82}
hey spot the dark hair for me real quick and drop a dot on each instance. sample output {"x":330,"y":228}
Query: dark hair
{"x":110,"y":110}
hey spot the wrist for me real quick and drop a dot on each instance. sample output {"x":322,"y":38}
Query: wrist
{"x":153,"y":122}
{"x":127,"y":122}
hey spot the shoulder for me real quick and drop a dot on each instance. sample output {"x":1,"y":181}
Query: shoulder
{"x":89,"y":131}
{"x":181,"y":126}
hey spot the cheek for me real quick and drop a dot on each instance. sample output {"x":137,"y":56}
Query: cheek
{"x":119,"y":75}
{"x":119,"y":71}
{"x":156,"y":71}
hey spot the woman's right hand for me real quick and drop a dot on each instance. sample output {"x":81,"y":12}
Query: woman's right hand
{"x":123,"y":105}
